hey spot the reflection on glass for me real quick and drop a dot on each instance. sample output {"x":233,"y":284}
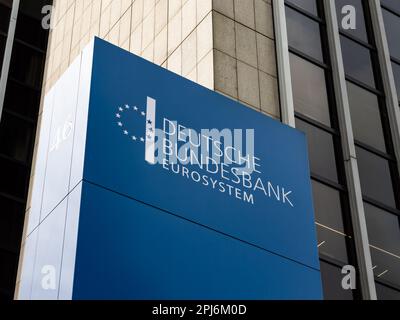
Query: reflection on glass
{"x":308,"y":5}
{"x":328,"y":216}
{"x":376,"y":181}
{"x":360,"y":31}
{"x":396,"y":71}
{"x":392,"y":27}
{"x":299,"y":25}
{"x":385,"y":293}
{"x":327,"y":205}
{"x":365,"y":116}
{"x":384,"y":238}
{"x":357,"y":61}
{"x":309,"y":90}
{"x":383,"y":229}
{"x":321,"y":151}
{"x":392,"y":4}
{"x":331,"y":244}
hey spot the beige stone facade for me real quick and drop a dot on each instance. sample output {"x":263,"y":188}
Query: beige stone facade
{"x":225,"y":45}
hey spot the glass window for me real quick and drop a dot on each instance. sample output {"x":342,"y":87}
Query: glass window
{"x":392,"y":26}
{"x":384,"y":239}
{"x":386,"y":293}
{"x":304,"y":34}
{"x":321,"y":151}
{"x":357,"y":61}
{"x":383,"y":229}
{"x":30,"y":30}
{"x":8,"y":270}
{"x":2,"y":48}
{"x":366,"y":118}
{"x":34,"y":8}
{"x":14,"y":178}
{"x":26,"y":65}
{"x":309,"y":90}
{"x":392,"y":4}
{"x":5,"y":12}
{"x":376,"y":181}
{"x":15,"y":138}
{"x":7,"y":3}
{"x":11,"y":223}
{"x":328,"y":215}
{"x":360,"y":31}
{"x":22,"y":100}
{"x":396,"y":71}
{"x":308,"y":5}
{"x":332,"y":283}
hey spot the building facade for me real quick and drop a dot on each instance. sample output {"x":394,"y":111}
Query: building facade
{"x":22,"y":66}
{"x":296,"y":61}
{"x":349,"y":75}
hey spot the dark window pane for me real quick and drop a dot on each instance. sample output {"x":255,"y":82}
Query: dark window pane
{"x":2,"y":48}
{"x":309,"y":90}
{"x":26,"y":65}
{"x":5,"y":12}
{"x":7,"y":3}
{"x":392,"y":4}
{"x":13,"y":178}
{"x":30,"y":30}
{"x":321,"y":151}
{"x":386,"y":293}
{"x":357,"y":61}
{"x":298,"y":26}
{"x":376,"y":182}
{"x":360,"y":31}
{"x":11,"y":223}
{"x":392,"y":26}
{"x":396,"y":71}
{"x":308,"y":5}
{"x":8,"y":270}
{"x":22,"y":99}
{"x":328,"y":216}
{"x":15,"y":138}
{"x":366,"y":118}
{"x":384,"y":238}
{"x":6,"y":296}
{"x":34,"y":8}
{"x":332,"y":283}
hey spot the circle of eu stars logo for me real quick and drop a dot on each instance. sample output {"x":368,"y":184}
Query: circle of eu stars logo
{"x":127,"y":116}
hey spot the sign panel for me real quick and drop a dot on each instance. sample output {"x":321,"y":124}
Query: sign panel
{"x":269,"y":205}
{"x":142,"y":253}
{"x":162,"y":189}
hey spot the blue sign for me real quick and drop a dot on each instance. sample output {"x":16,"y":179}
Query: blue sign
{"x":166,"y":190}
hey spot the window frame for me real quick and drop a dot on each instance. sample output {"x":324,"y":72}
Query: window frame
{"x":335,"y":132}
